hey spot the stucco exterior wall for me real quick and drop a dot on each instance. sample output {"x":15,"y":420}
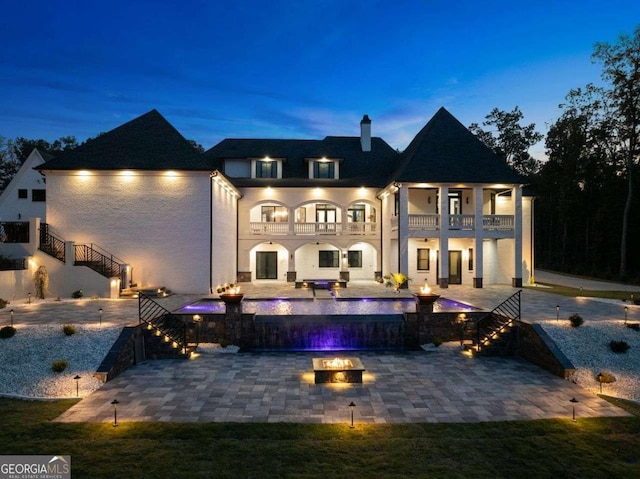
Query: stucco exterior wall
{"x":13,"y":208}
{"x":157,"y":222}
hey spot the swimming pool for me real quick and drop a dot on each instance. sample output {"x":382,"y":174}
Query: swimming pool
{"x":324,"y":306}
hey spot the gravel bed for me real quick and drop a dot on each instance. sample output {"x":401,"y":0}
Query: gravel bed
{"x":587,"y":347}
{"x":26,"y":359}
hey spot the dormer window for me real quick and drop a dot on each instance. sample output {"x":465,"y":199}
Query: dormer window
{"x":324,"y":168}
{"x":266,"y":168}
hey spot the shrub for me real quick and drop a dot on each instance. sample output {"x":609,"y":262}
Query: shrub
{"x":606,"y":378}
{"x":576,"y":320}
{"x":7,"y":332}
{"x":77,"y":294}
{"x":68,"y":329}
{"x":41,"y":282}
{"x":619,"y":346}
{"x":59,"y":365}
{"x":3,"y":303}
{"x":223,"y":342}
{"x":437,"y":341}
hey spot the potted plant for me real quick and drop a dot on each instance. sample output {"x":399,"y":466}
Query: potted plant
{"x":397,"y":280}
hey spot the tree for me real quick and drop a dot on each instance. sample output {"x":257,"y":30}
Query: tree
{"x":509,"y":139}
{"x":9,"y":164}
{"x":13,"y":153}
{"x":578,"y":187}
{"x":621,"y":68}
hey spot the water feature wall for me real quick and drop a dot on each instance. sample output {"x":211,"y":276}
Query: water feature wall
{"x":330,"y":332}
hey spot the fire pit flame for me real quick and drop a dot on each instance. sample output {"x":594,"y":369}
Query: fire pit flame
{"x":337,"y":363}
{"x":425,"y":289}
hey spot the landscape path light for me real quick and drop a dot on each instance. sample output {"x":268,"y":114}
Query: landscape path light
{"x":77,"y":378}
{"x":29,"y":298}
{"x":115,"y":403}
{"x":626,"y":310}
{"x":100,"y":314}
{"x":573,"y":402}
{"x":557,"y":312}
{"x":351,"y":408}
{"x":599,"y":376}
{"x":11,"y":317}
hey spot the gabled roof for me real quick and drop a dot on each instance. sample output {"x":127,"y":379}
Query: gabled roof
{"x":446,"y":151}
{"x":357,"y":167}
{"x":148,"y":142}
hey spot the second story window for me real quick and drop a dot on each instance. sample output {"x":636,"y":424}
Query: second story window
{"x":266,"y":169}
{"x":38,"y":195}
{"x":324,"y":169}
{"x":274,"y":214}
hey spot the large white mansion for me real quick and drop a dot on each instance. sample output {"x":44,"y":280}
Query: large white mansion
{"x":139,"y":205}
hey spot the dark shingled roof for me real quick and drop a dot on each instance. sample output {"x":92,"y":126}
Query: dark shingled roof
{"x":446,"y":151}
{"x":357,"y":167}
{"x":148,"y":142}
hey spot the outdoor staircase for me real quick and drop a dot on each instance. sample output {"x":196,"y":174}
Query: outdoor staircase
{"x":496,"y":332}
{"x":165,"y":334}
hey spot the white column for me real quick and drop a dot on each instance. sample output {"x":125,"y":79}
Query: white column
{"x":478,"y":198}
{"x":516,"y":193}
{"x":443,"y":205}
{"x":403,"y":230}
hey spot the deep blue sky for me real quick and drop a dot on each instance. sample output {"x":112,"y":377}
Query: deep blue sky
{"x":293,"y":69}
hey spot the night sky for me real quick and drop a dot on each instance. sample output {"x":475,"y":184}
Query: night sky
{"x":293,"y":69}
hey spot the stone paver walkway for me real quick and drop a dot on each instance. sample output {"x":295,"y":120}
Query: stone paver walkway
{"x":439,"y":386}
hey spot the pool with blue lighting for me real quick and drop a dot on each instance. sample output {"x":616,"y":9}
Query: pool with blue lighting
{"x":325,"y":307}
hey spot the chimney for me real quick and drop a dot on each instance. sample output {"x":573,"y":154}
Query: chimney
{"x":365,"y":133}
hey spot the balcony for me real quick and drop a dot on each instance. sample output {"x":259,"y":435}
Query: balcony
{"x":457,"y":222}
{"x":320,"y":228}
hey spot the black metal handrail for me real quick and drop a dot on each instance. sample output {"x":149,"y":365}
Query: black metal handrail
{"x":99,"y":260}
{"x":51,"y":244}
{"x":505,"y":314}
{"x":162,"y":321}
{"x":12,"y":264}
{"x":14,"y":231}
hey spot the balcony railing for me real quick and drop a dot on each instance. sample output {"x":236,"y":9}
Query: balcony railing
{"x":497,"y":222}
{"x":269,"y":228}
{"x":12,"y":264}
{"x":14,"y":231}
{"x":273,"y":228}
{"x":424,"y":222}
{"x":317,"y":228}
{"x":361,"y":228}
{"x":416,"y":223}
{"x":459,"y":222}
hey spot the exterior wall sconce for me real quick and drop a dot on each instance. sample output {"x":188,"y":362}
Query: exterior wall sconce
{"x":467,"y":200}
{"x":573,"y":402}
{"x":115,"y":403}
{"x":429,"y":199}
{"x":344,"y":255}
{"x":351,"y":408}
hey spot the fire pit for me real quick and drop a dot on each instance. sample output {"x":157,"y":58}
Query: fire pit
{"x":425,"y":296}
{"x":337,"y":370}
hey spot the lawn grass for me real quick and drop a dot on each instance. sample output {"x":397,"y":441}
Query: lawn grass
{"x":590,"y":448}
{"x":575,"y":292}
